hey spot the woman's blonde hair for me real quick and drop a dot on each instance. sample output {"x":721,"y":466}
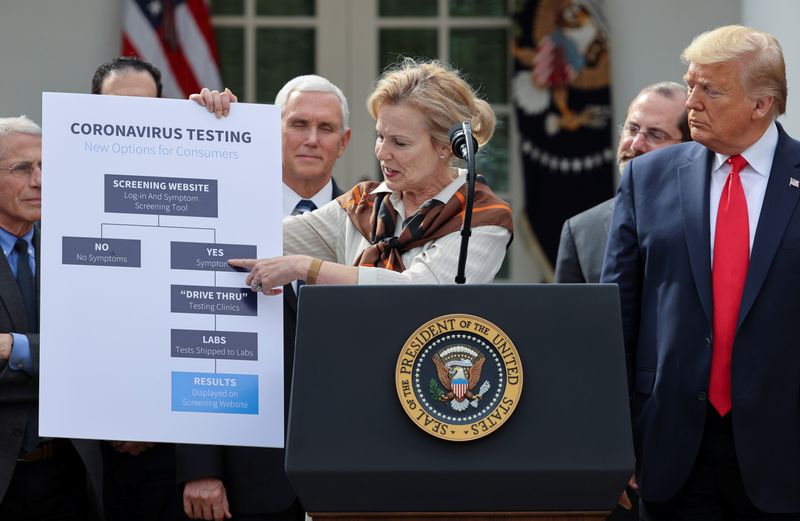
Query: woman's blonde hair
{"x":759,"y":53}
{"x":439,"y":93}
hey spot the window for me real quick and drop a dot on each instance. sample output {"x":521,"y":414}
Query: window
{"x":264,"y":43}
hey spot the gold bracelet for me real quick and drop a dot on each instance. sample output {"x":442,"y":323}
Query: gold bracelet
{"x":313,"y":271}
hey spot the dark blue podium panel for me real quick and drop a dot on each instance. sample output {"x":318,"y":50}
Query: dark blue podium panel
{"x":352,"y":448}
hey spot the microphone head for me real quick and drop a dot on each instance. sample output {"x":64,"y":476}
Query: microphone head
{"x":456,"y":131}
{"x":458,"y":140}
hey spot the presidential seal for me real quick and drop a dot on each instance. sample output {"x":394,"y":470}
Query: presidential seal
{"x":459,"y":377}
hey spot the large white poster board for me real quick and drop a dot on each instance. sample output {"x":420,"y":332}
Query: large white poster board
{"x":146,"y":333}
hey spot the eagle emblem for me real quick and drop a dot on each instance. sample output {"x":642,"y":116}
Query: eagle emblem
{"x":439,"y":373}
{"x":569,"y":52}
{"x":459,"y":368}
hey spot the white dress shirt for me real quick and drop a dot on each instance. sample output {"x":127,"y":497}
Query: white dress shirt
{"x":321,"y":198}
{"x":754,"y":178}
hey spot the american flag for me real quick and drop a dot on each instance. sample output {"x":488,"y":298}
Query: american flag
{"x":460,"y":387}
{"x":175,"y":36}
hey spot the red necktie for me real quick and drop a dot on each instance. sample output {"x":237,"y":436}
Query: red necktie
{"x":731,"y":256}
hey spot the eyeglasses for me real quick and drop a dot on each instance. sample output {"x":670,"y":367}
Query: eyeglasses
{"x":653,"y":137}
{"x":23,"y":169}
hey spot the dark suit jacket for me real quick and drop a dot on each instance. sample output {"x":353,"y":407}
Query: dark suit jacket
{"x":583,"y":243}
{"x":254,"y":478}
{"x":659,"y":254}
{"x":19,"y":392}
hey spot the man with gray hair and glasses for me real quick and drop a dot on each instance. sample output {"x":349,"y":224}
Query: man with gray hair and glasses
{"x":250,"y":483}
{"x":656,"y":118}
{"x":40,"y":478}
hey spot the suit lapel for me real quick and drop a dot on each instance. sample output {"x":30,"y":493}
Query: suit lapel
{"x":335,"y":189}
{"x":9,"y":291}
{"x":693,"y":188}
{"x":780,"y":200}
{"x":9,"y":294}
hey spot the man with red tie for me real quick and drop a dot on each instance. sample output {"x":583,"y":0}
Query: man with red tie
{"x":705,"y":248}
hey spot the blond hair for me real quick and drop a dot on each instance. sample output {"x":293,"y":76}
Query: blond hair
{"x":759,"y":53}
{"x":439,"y":93}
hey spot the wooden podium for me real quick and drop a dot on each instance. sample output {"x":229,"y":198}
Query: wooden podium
{"x":565,"y":453}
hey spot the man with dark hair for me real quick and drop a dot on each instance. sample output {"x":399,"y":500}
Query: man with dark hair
{"x":139,"y":477}
{"x":127,"y":76}
{"x":704,"y":246}
{"x":656,"y":118}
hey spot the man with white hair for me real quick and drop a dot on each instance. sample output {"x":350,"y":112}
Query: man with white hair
{"x":40,"y":478}
{"x":250,"y":483}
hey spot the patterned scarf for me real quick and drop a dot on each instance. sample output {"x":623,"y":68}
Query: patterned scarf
{"x":375,"y":217}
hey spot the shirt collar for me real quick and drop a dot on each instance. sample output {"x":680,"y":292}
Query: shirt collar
{"x":8,"y":240}
{"x":291,"y":198}
{"x":759,"y":155}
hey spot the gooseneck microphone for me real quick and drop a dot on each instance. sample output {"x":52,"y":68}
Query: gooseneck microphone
{"x":464,"y":146}
{"x":458,"y":140}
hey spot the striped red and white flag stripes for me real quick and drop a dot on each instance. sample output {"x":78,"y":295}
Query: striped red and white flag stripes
{"x":175,"y":36}
{"x":460,"y":389}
